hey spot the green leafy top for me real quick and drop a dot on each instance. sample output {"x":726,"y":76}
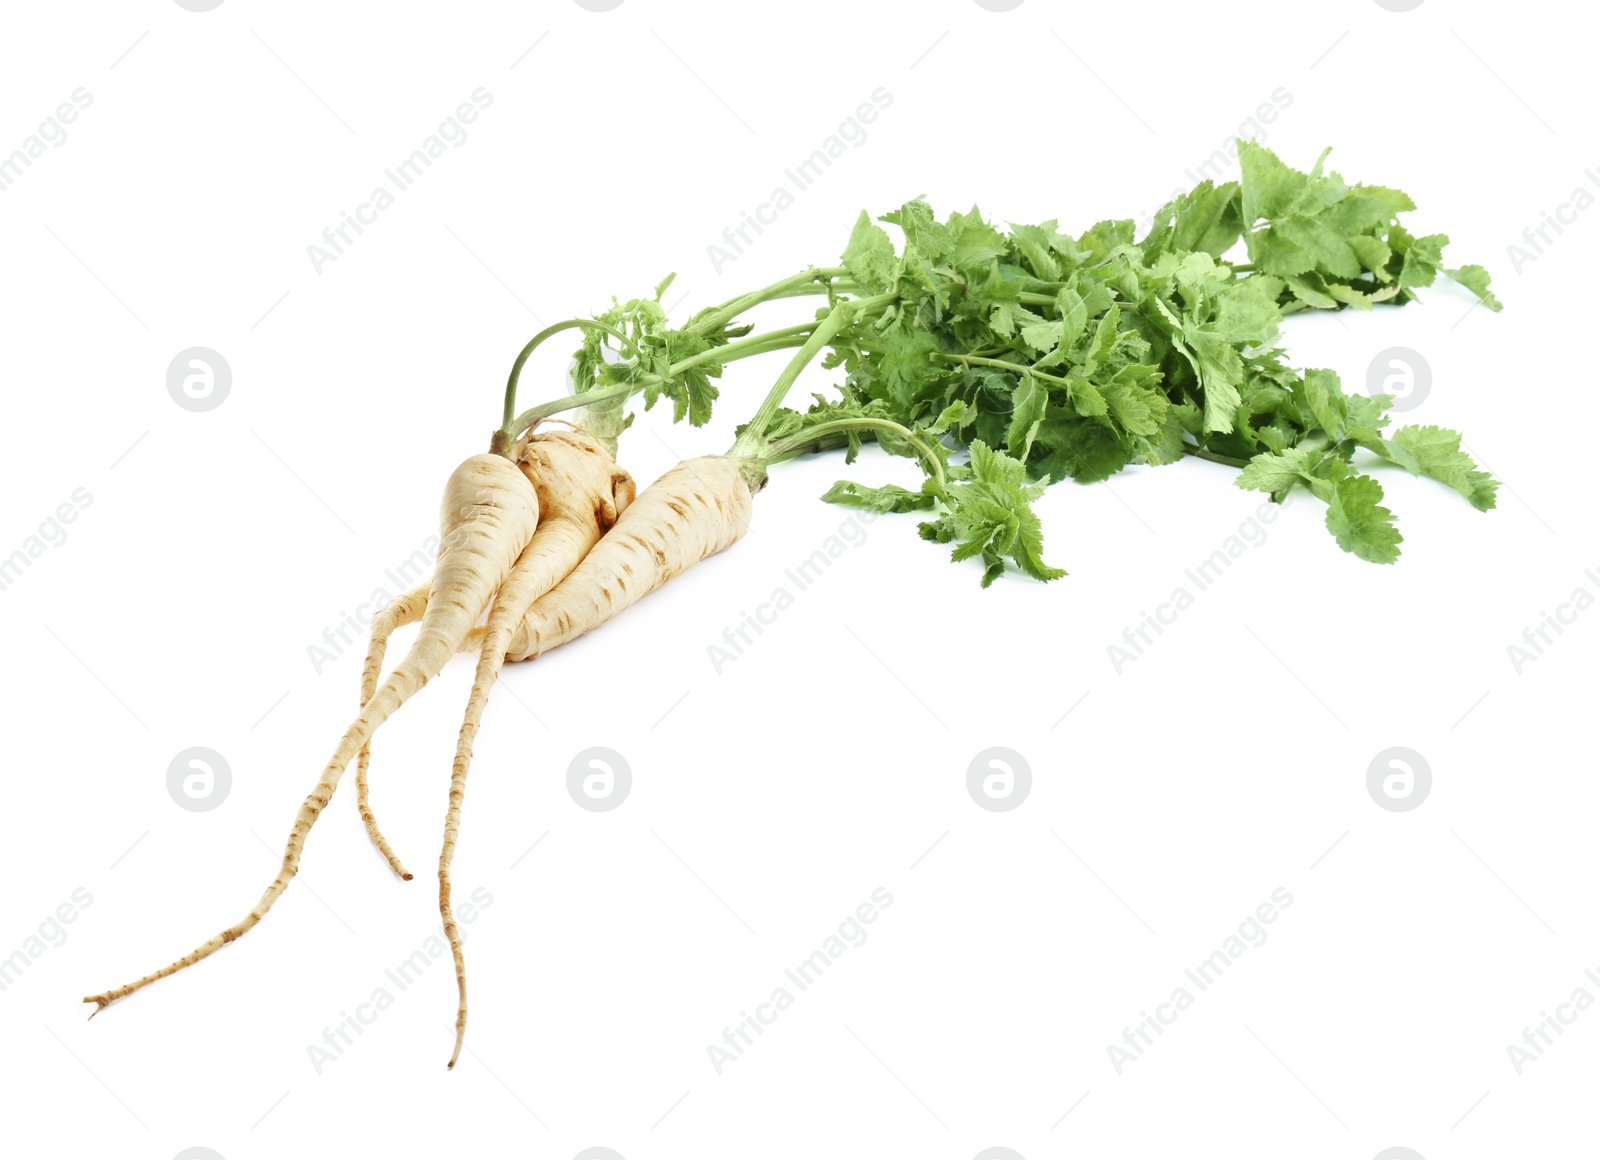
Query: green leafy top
{"x":1046,"y":356}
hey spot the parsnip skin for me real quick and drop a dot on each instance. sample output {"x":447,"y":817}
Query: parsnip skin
{"x":488,"y":515}
{"x":406,"y":610}
{"x":580,"y":489}
{"x":561,"y":550}
{"x":695,"y":510}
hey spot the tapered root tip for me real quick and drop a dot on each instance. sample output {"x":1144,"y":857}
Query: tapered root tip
{"x":99,"y":1002}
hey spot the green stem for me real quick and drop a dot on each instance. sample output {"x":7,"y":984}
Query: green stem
{"x":744,"y":348}
{"x":751,"y":443}
{"x":837,"y":286}
{"x":786,"y":447}
{"x":1202,"y":453}
{"x":734,"y":307}
{"x":616,"y":391}
{"x":508,"y":427}
{"x":757,"y":344}
{"x":1000,"y":364}
{"x":837,"y":319}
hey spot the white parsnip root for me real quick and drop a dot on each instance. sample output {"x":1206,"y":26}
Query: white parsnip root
{"x":406,"y":610}
{"x":580,"y":489}
{"x":552,"y":545}
{"x":487,"y":517}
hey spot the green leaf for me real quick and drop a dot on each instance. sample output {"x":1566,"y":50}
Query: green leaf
{"x":1277,"y":253}
{"x":905,"y":366}
{"x":1476,"y":279}
{"x":1393,"y":199}
{"x":1042,"y":336}
{"x":1206,"y":219}
{"x":1436,"y":453}
{"x":976,"y":242}
{"x":1027,"y":412}
{"x":1422,"y":259}
{"x":1320,"y":394}
{"x":869,"y":255}
{"x":1006,"y":317}
{"x":888,"y":498}
{"x":1137,"y":407}
{"x":1074,"y":313}
{"x":1088,"y":450}
{"x":1360,"y":523}
{"x":1269,"y":186}
{"x":1372,"y":253}
{"x":989,"y":515}
{"x":1047,"y":356}
{"x":1331,"y":253}
{"x":923,"y":234}
{"x":1222,"y":375}
{"x":1313,"y":291}
{"x":1278,"y":473}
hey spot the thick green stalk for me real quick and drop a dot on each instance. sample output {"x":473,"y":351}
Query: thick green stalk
{"x":734,"y":307}
{"x":744,"y":348}
{"x":754,"y":345}
{"x":784,"y":448}
{"x":756,"y":432}
{"x":509,"y":429}
{"x":749,"y":446}
{"x":597,"y":397}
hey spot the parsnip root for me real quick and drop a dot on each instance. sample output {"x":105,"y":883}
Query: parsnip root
{"x":488,"y":516}
{"x":406,"y":610}
{"x":580,"y":490}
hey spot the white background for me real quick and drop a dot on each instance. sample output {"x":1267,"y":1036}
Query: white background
{"x":769,"y":801}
